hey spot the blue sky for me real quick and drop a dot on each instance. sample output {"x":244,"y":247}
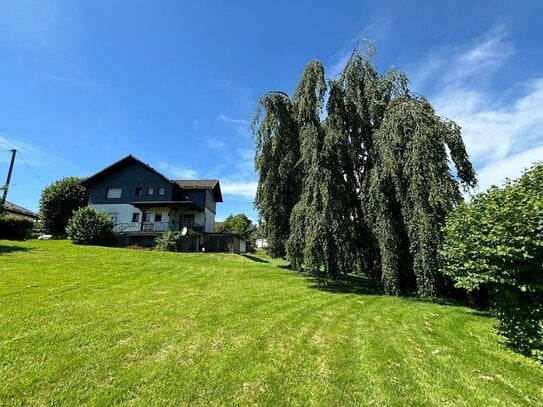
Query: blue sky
{"x":84,"y":83}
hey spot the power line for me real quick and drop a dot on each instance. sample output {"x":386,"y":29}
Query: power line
{"x":30,"y":168}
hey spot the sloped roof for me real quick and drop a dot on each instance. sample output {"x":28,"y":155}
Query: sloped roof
{"x":187,"y":184}
{"x":13,"y":208}
{"x":204,"y":184}
{"x":119,"y":164}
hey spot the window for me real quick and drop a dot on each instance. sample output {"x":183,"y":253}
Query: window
{"x":147,"y":217}
{"x":150,"y":190}
{"x":114,"y":217}
{"x":161,"y":191}
{"x":114,"y":193}
{"x":188,"y":221}
{"x":135,"y":217}
{"x":158,"y":217}
{"x":139,"y":191}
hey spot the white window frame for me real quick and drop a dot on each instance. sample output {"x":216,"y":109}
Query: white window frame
{"x":114,"y":193}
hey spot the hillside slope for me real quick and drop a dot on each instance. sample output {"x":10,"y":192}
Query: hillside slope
{"x":100,"y":326}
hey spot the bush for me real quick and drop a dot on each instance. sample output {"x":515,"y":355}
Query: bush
{"x":496,"y":241}
{"x":90,"y":226}
{"x":14,"y":227}
{"x":175,"y":242}
{"x":58,"y":203}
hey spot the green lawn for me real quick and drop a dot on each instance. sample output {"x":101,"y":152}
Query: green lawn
{"x":99,"y":326}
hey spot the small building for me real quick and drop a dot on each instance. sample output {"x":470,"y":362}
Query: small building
{"x":14,"y":209}
{"x":225,"y":241}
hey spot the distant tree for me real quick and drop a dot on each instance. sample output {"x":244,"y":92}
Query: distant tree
{"x":239,"y":224}
{"x":496,"y":241}
{"x":58,"y":203}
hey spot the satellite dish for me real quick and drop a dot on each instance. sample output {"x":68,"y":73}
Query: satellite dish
{"x":184,"y":231}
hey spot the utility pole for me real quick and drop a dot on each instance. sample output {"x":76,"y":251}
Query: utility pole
{"x":6,"y":187}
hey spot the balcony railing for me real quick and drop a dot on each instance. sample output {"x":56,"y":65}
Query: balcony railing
{"x":156,"y":227}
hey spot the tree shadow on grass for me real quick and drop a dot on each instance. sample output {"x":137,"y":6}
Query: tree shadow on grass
{"x":255,"y":258}
{"x":452,"y":302}
{"x":355,"y":284}
{"x":351,"y":284}
{"x":12,"y":249}
{"x":484,"y":314}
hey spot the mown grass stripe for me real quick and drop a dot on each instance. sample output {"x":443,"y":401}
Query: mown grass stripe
{"x":98,"y":326}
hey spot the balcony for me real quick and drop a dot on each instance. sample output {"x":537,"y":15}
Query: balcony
{"x":156,"y":227}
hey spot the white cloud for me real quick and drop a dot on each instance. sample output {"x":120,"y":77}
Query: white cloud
{"x":486,"y":54}
{"x":246,"y":189}
{"x":457,"y":66}
{"x":178,"y":172}
{"x":495,"y":172}
{"x":231,"y":120}
{"x":502,"y":128}
{"x":495,"y":133}
{"x":378,"y":25}
{"x":216,"y":144}
{"x":241,"y":126}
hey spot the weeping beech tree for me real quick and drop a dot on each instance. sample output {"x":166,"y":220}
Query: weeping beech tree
{"x":411,"y":189}
{"x":365,"y":188}
{"x":277,"y":161}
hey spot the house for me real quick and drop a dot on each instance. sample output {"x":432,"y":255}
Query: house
{"x":14,"y":209}
{"x":143,"y":203}
{"x":261,"y":243}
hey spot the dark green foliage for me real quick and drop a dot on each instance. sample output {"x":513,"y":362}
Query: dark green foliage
{"x":496,"y":241}
{"x":171,"y":241}
{"x":2,"y":209}
{"x":373,"y":184}
{"x":307,"y":233}
{"x":414,"y":191}
{"x":58,"y":203}
{"x":14,"y":227}
{"x":90,"y":226}
{"x":239,"y":224}
{"x":276,"y":160}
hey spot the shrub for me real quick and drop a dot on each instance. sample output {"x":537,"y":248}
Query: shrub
{"x":496,"y":241}
{"x":14,"y":227}
{"x":59,"y":201}
{"x":169,"y":241}
{"x":90,"y":226}
{"x":175,"y":242}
